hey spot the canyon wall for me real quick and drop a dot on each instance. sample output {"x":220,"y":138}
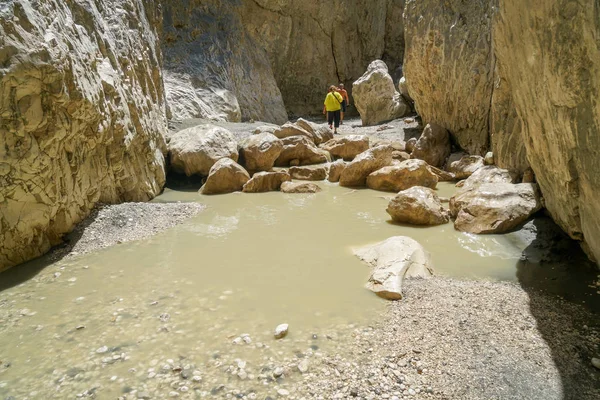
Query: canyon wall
{"x":263,"y":59}
{"x":82,"y":115}
{"x":521,"y":77}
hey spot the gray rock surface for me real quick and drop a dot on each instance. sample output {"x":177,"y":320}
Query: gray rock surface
{"x":392,"y":261}
{"x":376,"y":97}
{"x":83,"y":116}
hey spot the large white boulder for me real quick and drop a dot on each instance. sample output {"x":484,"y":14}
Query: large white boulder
{"x":195,"y":150}
{"x":259,"y":152}
{"x":393,"y":260}
{"x":376,"y":97}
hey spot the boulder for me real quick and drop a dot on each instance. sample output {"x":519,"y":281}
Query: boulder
{"x":320,"y":133}
{"x":403,"y":176}
{"x":433,"y":146}
{"x":265,"y":129}
{"x":465,"y":167}
{"x":195,"y":150}
{"x":266,"y":182}
{"x":290,"y":129}
{"x":410,"y":145}
{"x":417,"y":206}
{"x":375,"y":96}
{"x":299,"y":187}
{"x":300,"y":150}
{"x":259,"y":152}
{"x":347,"y":147}
{"x":488,"y":174}
{"x":392,"y":261}
{"x":489,"y":158}
{"x":226,"y":176}
{"x":310,"y":173}
{"x":400,"y":155}
{"x":335,"y":170}
{"x":403,"y":88}
{"x":443,"y":176}
{"x":494,"y":207}
{"x":356,"y":172}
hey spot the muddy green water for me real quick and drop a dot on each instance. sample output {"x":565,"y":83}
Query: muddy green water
{"x":205,"y":297}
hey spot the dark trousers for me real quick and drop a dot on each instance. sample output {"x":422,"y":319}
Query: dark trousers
{"x":334,"y":117}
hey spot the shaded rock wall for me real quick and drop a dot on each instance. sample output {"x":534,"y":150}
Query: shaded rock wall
{"x":213,"y":69}
{"x":82,"y":114}
{"x":549,"y":53}
{"x":521,"y":77}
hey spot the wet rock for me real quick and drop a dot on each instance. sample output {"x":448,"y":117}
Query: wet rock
{"x":392,"y":261}
{"x":281,"y":331}
{"x":335,"y":170}
{"x":375,"y":96}
{"x":356,"y":172}
{"x":277,"y":372}
{"x":465,"y":167}
{"x":433,"y":146}
{"x":226,"y":176}
{"x":403,"y":176}
{"x":195,"y":150}
{"x":302,"y":149}
{"x":309,"y":173}
{"x":266,"y":182}
{"x":303,"y":366}
{"x":299,"y":187}
{"x":320,"y":133}
{"x":347,"y":147}
{"x":494,"y":207}
{"x":417,"y":206}
{"x":259,"y":152}
{"x":102,"y":350}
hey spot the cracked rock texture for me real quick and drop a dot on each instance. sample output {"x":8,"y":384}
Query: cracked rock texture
{"x":82,"y":115}
{"x":523,"y":77}
{"x":262,"y":59}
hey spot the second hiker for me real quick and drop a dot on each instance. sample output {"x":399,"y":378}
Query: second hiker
{"x":332,"y":107}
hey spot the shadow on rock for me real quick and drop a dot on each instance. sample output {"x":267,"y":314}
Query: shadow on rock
{"x":560,"y":281}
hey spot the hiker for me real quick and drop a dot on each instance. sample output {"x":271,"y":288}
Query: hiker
{"x":332,"y":107}
{"x":345,"y":103}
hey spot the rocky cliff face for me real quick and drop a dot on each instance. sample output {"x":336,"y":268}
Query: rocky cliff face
{"x":245,"y":59}
{"x":525,"y":74}
{"x":82,"y":114}
{"x":549,"y":54}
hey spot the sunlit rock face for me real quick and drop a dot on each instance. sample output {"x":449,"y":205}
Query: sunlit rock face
{"x":82,"y":115}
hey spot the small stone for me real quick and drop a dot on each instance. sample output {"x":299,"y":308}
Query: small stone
{"x":412,"y":392}
{"x":102,"y":350}
{"x":281,"y":331}
{"x":303,"y":366}
{"x":173,"y":394}
{"x":283,"y":392}
{"x":143,"y":395}
{"x":278,"y":372}
{"x":196,"y":378}
{"x":596,"y":362}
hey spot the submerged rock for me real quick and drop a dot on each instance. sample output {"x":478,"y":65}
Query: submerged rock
{"x":299,"y":187}
{"x":494,"y":207}
{"x":266,"y":182}
{"x":259,"y":152}
{"x":433,"y":146}
{"x":195,"y":150}
{"x":392,"y":261}
{"x":375,"y":96}
{"x":403,"y":176}
{"x":281,"y":331}
{"x":417,"y":206}
{"x":356,"y":172}
{"x":347,"y":147}
{"x":226,"y":176}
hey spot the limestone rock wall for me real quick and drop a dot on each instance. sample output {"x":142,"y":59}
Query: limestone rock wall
{"x":314,"y":44}
{"x":449,"y":66}
{"x":82,"y":114}
{"x":549,"y":53}
{"x":213,"y":68}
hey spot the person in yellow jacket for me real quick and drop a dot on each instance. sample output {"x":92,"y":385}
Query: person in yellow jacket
{"x":332,"y":107}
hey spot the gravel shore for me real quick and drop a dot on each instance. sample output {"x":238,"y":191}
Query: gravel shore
{"x":108,"y":225}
